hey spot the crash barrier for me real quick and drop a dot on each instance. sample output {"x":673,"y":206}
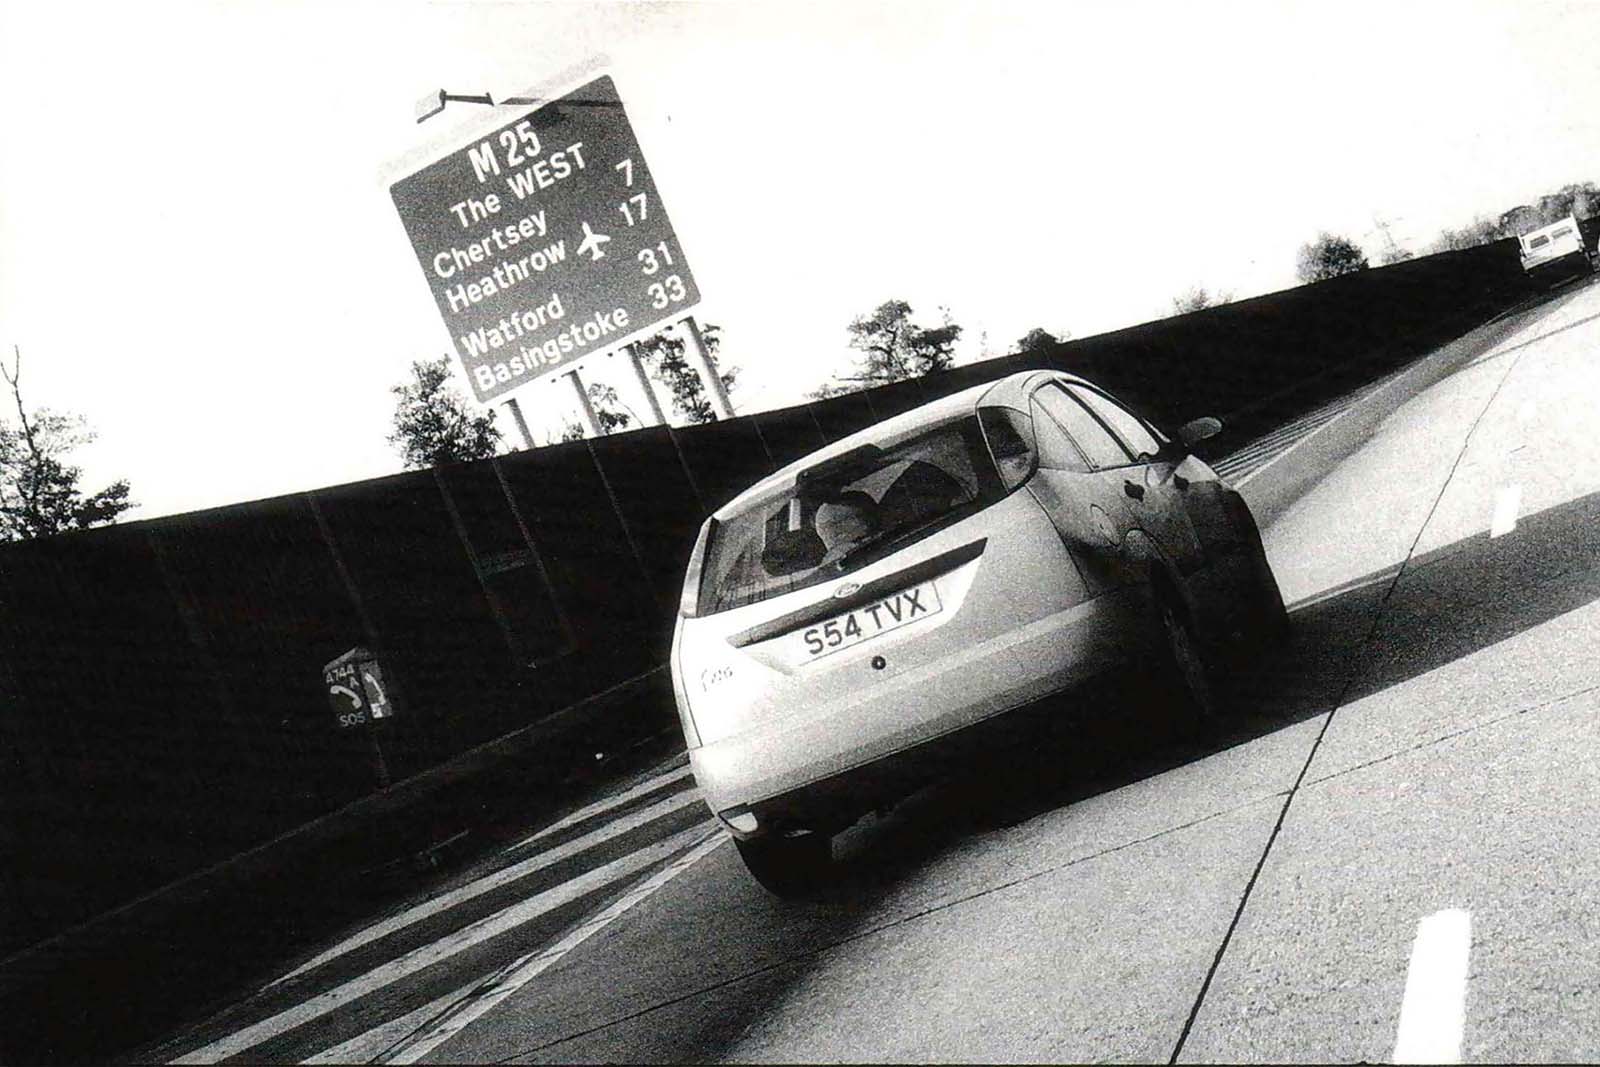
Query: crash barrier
{"x":166,"y":706}
{"x":1270,"y":490}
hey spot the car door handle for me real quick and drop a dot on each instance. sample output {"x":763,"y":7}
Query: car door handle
{"x":1134,"y":490}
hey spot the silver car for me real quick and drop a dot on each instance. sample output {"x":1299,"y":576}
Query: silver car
{"x":864,"y":614}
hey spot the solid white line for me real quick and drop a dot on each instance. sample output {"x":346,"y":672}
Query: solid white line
{"x":484,"y":929}
{"x":603,"y":805}
{"x":1506,"y":503}
{"x":1434,"y":1009}
{"x":531,"y":966}
{"x":446,"y":901}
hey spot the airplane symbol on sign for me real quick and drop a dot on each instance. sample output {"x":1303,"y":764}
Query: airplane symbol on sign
{"x":591,"y":243}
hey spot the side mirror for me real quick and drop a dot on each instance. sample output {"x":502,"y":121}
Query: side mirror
{"x":1197,"y":430}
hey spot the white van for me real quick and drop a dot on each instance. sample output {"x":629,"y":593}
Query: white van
{"x":1554,"y":249}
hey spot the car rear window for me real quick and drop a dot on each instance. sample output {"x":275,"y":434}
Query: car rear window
{"x":846,"y":512}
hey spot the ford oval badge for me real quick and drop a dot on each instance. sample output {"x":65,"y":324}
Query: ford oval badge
{"x":847,"y":589}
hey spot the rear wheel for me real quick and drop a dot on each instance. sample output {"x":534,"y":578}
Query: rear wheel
{"x":1269,"y":619}
{"x":787,"y":866}
{"x":1192,"y":661}
{"x":1266,"y":622}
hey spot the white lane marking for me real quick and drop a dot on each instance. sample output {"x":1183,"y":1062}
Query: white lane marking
{"x":1434,"y":1009}
{"x":364,"y":1048}
{"x":1506,"y":503}
{"x":499,"y":878}
{"x":525,"y":970}
{"x":1525,"y":412}
{"x":603,"y":805}
{"x":418,"y":959}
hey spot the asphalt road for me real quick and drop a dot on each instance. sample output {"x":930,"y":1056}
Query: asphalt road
{"x":1388,"y":850}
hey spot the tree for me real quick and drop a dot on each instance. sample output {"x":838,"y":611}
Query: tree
{"x":664,"y":356}
{"x":1581,"y":199}
{"x":1038,"y":341}
{"x":609,"y":411}
{"x":1480,"y":231}
{"x":832,"y":389}
{"x":1577,"y":199}
{"x":39,"y":489}
{"x":432,"y":422}
{"x":1328,"y":257}
{"x":895,"y":348}
{"x":1198,"y":298}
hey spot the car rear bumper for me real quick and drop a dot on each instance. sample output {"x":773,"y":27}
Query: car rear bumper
{"x":827,"y":767}
{"x":1568,"y":264}
{"x":830,"y":804}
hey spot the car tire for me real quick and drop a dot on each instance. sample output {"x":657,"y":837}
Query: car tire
{"x":1266,"y":620}
{"x":1192,"y":662}
{"x":1268,"y":624}
{"x":787,"y":866}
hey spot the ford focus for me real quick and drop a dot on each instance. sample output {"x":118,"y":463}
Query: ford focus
{"x":870,"y":611}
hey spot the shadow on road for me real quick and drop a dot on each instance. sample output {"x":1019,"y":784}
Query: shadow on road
{"x":750,"y":950}
{"x":1450,"y":603}
{"x":1347,"y":643}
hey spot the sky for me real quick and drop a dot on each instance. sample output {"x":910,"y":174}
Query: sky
{"x":199,"y":255}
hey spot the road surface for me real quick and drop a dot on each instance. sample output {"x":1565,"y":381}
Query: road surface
{"x":1387,"y":853}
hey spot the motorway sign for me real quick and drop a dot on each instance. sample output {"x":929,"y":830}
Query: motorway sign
{"x":545,"y":240}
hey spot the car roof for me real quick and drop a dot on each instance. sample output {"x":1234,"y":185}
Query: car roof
{"x":1010,"y":391}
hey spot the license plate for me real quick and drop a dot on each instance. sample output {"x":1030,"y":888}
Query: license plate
{"x":870,"y":620}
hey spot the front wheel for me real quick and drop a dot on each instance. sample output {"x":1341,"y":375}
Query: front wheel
{"x":787,"y":866}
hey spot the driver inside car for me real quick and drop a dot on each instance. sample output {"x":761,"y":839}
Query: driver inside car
{"x":845,"y":521}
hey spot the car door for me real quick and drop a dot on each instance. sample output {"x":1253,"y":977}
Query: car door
{"x":1172,"y":485}
{"x":1133,"y":486}
{"x":1071,"y":487}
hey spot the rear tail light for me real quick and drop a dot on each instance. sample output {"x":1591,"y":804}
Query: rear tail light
{"x":689,"y":602}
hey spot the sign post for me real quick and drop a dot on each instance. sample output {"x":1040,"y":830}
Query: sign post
{"x":657,"y":418}
{"x":544,"y":240}
{"x":591,"y":421}
{"x":700,"y":356}
{"x":522,"y":423}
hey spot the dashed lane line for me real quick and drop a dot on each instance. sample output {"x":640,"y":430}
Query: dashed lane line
{"x":1504,"y":519}
{"x":1433,"y":1011}
{"x":493,"y":881}
{"x":426,"y":956}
